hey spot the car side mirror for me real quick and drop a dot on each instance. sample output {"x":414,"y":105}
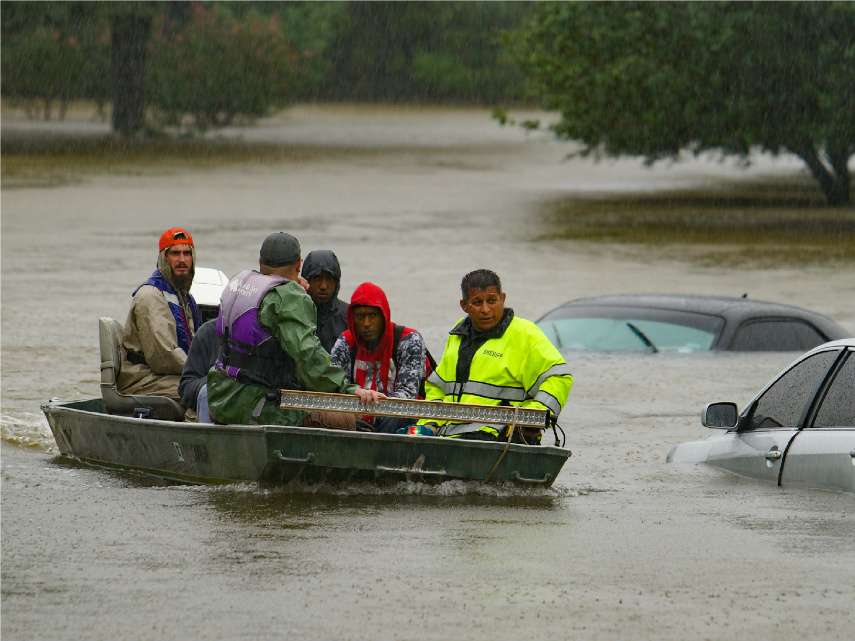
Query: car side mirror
{"x":722,"y":416}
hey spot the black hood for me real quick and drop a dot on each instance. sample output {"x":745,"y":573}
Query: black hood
{"x":332,"y":316}
{"x":322,"y":260}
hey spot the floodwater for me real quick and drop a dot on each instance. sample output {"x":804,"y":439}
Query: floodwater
{"x":624,"y":546}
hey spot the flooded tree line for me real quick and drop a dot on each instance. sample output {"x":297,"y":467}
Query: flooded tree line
{"x":647,"y":79}
{"x":214,"y":62}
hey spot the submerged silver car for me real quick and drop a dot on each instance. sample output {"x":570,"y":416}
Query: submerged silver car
{"x":800,"y":430}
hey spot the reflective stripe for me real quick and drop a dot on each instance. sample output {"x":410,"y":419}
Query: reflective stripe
{"x":497,"y":392}
{"x":445,"y":386}
{"x":171,"y":298}
{"x":501,"y":392}
{"x":556,"y":370}
{"x":550,"y":401}
{"x":457,"y":429}
{"x":256,"y":411}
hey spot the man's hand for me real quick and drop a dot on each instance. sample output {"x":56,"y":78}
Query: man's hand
{"x":302,"y":282}
{"x":368,"y":396}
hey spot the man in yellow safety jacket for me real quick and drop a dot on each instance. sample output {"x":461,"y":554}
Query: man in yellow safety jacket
{"x":492,"y":357}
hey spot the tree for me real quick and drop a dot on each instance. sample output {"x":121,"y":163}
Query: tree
{"x":130,"y":28}
{"x":173,"y":58}
{"x":215,"y":66}
{"x":655,"y":79}
{"x":53,"y":53}
{"x":405,"y":51}
{"x":58,"y":50}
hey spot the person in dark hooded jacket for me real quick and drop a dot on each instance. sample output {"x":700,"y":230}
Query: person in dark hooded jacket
{"x":194,"y":375}
{"x":323,"y":272}
{"x":377,"y":354}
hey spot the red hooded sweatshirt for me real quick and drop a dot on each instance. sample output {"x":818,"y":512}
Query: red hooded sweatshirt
{"x":381,"y":357}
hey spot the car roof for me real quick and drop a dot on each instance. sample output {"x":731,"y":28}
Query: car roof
{"x":727,"y":306}
{"x":734,"y":310}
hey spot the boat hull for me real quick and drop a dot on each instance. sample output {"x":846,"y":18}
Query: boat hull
{"x":203,"y":453}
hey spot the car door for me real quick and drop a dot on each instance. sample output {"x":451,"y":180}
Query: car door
{"x":771,"y":421}
{"x":823,"y":453}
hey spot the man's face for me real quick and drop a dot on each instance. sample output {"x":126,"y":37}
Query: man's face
{"x":322,"y":287}
{"x":484,"y":307}
{"x":180,"y":260}
{"x":369,"y":323}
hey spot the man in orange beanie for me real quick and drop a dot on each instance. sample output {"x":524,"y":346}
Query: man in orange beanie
{"x":162,"y":321}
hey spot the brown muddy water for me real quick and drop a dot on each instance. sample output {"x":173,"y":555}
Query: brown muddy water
{"x":624,"y":546}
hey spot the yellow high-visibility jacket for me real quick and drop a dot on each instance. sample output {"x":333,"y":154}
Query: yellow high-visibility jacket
{"x":520,"y":367}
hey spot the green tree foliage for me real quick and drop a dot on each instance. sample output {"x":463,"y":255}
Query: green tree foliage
{"x":207,"y":63}
{"x":214,"y":66}
{"x":428,"y":51}
{"x":309,"y":27}
{"x":176,"y":59}
{"x":655,"y":79}
{"x":53,"y":54}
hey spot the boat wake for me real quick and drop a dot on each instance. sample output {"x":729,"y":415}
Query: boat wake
{"x":445,"y":489}
{"x":27,"y":429}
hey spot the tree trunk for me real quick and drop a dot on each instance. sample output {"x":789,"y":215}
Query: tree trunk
{"x":129,"y":38}
{"x":839,"y":160}
{"x":832,"y":175}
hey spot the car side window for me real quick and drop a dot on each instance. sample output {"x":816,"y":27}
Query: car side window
{"x":776,"y":335}
{"x":783,"y":404}
{"x":838,"y":406}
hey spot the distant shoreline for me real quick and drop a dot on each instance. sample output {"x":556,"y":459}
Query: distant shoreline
{"x":710,"y":213}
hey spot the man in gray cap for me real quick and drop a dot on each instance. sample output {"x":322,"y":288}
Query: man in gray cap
{"x":268,"y":342}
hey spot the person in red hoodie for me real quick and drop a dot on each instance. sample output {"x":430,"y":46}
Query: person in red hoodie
{"x":377,"y":354}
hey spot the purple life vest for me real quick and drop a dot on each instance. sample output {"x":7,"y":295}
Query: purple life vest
{"x":248,"y":352}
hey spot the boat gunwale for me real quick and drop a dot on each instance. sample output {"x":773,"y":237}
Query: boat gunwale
{"x":56,"y":405}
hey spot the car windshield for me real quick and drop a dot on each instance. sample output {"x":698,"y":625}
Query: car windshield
{"x":626,"y":328}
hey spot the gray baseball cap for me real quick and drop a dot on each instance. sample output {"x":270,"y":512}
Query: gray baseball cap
{"x":279,"y":249}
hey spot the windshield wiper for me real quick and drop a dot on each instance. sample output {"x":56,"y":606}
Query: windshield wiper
{"x":642,"y":337}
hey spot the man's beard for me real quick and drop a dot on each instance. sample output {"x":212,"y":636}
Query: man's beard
{"x":182,"y":283}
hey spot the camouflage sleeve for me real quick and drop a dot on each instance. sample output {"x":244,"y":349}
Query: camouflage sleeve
{"x":340,"y":356}
{"x":411,"y":366}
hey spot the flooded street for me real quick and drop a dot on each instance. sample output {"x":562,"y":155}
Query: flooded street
{"x":623,"y":546}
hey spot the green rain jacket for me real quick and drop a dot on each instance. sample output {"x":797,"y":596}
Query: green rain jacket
{"x":289,"y":315}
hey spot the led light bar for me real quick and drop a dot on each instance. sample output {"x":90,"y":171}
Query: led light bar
{"x":413,"y":408}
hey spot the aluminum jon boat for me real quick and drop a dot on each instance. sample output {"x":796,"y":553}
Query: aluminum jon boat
{"x":204,"y":453}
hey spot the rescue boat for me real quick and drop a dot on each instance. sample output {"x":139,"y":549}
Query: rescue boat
{"x":149,"y":434}
{"x":198,"y":453}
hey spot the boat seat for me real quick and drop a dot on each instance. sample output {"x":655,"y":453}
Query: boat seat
{"x":159,"y":407}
